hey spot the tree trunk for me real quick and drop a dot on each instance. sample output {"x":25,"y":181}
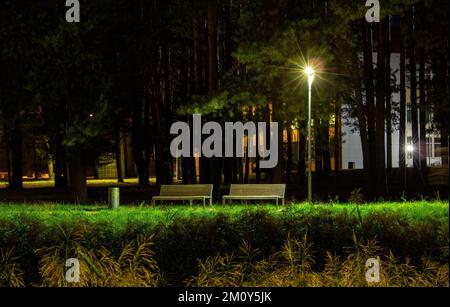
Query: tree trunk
{"x":15,"y":146}
{"x":402,"y":111}
{"x":414,"y":117}
{"x":388,"y":104}
{"x":441,"y":102}
{"x":326,"y":148}
{"x":191,"y":164}
{"x":302,"y":159}
{"x":8,"y":154}
{"x":228,"y":36}
{"x":422,"y":114}
{"x":370,"y":107}
{"x":317,"y":135}
{"x":337,"y":136}
{"x":362,"y":124}
{"x":247,"y":165}
{"x":78,"y":175}
{"x":380,"y":110}
{"x":212,"y":45}
{"x":289,"y":156}
{"x":119,"y":157}
{"x":279,"y":170}
{"x":138,"y":141}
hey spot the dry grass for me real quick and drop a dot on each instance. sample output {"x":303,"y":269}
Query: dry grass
{"x":11,"y":274}
{"x":133,"y":267}
{"x":292,"y":267}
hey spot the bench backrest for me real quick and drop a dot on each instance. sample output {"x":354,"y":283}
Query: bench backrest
{"x":186,"y":190}
{"x":257,"y":189}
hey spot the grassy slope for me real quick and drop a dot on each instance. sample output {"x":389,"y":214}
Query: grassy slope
{"x":55,"y":214}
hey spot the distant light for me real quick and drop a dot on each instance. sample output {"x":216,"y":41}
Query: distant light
{"x":410,"y":148}
{"x":309,"y":71}
{"x":91,"y":115}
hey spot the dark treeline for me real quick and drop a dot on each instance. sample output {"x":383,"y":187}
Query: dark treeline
{"x":133,"y":67}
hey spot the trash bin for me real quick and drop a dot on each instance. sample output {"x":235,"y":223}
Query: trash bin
{"x":114,"y":198}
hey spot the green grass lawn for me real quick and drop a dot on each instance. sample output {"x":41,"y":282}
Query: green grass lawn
{"x":50,"y":214}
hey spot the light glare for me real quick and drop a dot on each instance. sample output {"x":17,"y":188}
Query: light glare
{"x":309,"y":71}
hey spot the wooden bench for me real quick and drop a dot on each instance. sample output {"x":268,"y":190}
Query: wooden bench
{"x":184,"y":192}
{"x":256,"y":192}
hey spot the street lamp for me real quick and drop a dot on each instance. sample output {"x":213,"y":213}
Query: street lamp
{"x":309,"y":71}
{"x":410,"y":148}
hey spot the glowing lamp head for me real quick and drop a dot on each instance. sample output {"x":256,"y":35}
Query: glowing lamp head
{"x":309,"y":71}
{"x":410,"y":148}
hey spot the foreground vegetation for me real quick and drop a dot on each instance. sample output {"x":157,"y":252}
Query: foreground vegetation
{"x":51,"y":214}
{"x":298,"y":245}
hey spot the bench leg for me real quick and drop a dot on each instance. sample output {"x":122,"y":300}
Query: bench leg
{"x":190,"y":202}
{"x":282,"y":201}
{"x":204,"y":202}
{"x":276,"y":201}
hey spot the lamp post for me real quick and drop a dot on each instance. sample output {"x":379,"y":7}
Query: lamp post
{"x":309,"y":71}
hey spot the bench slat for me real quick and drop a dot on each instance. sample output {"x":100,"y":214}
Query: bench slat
{"x":257,"y":189}
{"x":256,"y":192}
{"x":186,"y":190}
